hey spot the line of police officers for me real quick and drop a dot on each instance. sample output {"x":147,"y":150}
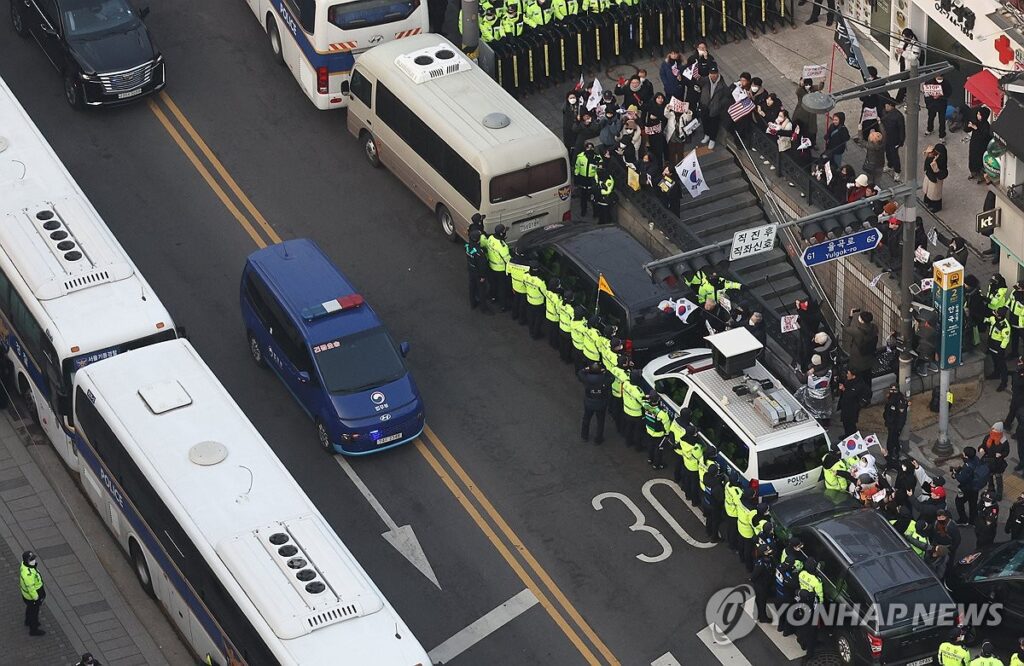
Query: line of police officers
{"x":543,"y":41}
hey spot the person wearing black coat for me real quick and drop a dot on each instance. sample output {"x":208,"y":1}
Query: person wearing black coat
{"x":936,"y":105}
{"x":572,"y":113}
{"x":872,"y":101}
{"x":936,"y":170}
{"x":987,"y":522}
{"x":981,"y":134}
{"x":762,"y":579}
{"x":714,"y":482}
{"x":808,"y":318}
{"x":837,"y":136}
{"x":668,"y":190}
{"x":894,"y":128}
{"x":1015,"y":521}
{"x":596,"y":389}
{"x":975,"y":311}
{"x":851,"y":395}
{"x":895,"y":417}
{"x":947,"y":533}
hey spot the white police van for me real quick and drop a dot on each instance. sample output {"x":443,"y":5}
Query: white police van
{"x":762,"y":432}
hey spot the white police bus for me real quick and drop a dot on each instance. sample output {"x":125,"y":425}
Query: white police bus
{"x":217,"y":529}
{"x":318,"y":40}
{"x":69,"y":294}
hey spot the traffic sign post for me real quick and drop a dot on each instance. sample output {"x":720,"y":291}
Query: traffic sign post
{"x":753,"y":241}
{"x":830,"y":250}
{"x":948,"y":301}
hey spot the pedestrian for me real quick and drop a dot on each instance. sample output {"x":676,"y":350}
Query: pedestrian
{"x":981,"y":134}
{"x":994,"y":450}
{"x":714,"y":101}
{"x":806,"y":120}
{"x":894,"y":129}
{"x":762,"y":579}
{"x":1015,"y":521}
{"x":498,"y":255}
{"x":816,"y":12}
{"x":656,"y":424}
{"x":972,"y":477}
{"x":714,"y":494}
{"x":851,"y":396}
{"x":611,"y":126}
{"x":757,"y":328}
{"x":998,"y":341}
{"x":837,"y":137}
{"x":783,"y":131}
{"x":668,"y":190}
{"x":909,"y":48}
{"x":947,"y":533}
{"x":596,"y":383}
{"x":928,"y":509}
{"x":476,"y":272}
{"x":33,"y":592}
{"x":975,"y":311}
{"x":937,"y":559}
{"x":936,"y":170}
{"x":952,"y":652}
{"x":653,"y":116}
{"x":895,"y":418}
{"x":860,"y":188}
{"x":88,"y":660}
{"x":935,"y":100}
{"x":703,"y":59}
{"x":863,"y":343}
{"x":670,"y":73}
{"x":870,"y":107}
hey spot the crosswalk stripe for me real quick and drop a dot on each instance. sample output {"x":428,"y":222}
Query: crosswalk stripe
{"x":726,"y":653}
{"x":667,"y":659}
{"x":789,"y":646}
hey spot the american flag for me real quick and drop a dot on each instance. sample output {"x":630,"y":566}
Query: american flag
{"x":741,"y":108}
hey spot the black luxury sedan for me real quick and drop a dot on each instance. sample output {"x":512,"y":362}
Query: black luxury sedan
{"x":101,"y":47}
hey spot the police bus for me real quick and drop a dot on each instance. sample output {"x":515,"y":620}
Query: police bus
{"x":69,"y":294}
{"x":318,"y":40}
{"x":459,"y":141}
{"x":216,"y":528}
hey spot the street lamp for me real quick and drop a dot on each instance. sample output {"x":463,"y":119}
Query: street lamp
{"x":823,"y":102}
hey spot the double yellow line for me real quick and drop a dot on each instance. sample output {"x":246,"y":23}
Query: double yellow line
{"x":466,"y":492}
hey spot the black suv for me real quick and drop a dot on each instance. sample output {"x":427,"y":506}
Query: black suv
{"x":101,"y":47}
{"x":864,"y":564}
{"x":578,"y":253}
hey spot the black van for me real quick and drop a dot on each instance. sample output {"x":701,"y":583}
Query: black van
{"x":577,"y":254}
{"x":864,"y":564}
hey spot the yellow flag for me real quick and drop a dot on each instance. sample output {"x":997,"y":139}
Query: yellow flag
{"x":602,"y":285}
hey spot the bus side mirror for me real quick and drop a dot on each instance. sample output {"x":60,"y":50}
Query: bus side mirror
{"x":144,"y":12}
{"x":404,"y":348}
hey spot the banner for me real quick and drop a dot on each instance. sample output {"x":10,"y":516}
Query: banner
{"x":691,"y":176}
{"x":869,"y":114}
{"x":814,"y":72}
{"x":676,"y":105}
{"x":931,"y":90}
{"x":595,"y":95}
{"x":789,"y":323}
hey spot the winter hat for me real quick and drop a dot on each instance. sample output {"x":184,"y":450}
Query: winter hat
{"x":862,"y":180}
{"x":816,"y":359}
{"x":997,"y":426}
{"x":821,"y":338}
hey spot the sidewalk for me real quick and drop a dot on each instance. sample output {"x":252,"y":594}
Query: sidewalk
{"x":84,"y":611}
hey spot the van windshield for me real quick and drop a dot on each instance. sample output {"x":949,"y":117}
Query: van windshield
{"x":791,"y":459}
{"x":359,"y":362}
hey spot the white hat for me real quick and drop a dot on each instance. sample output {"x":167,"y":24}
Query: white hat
{"x":862,"y":180}
{"x":816,"y":359}
{"x":821,"y":338}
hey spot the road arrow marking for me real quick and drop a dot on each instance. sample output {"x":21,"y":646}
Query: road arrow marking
{"x":401,"y":537}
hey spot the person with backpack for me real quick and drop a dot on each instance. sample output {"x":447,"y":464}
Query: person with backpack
{"x":972,"y":477}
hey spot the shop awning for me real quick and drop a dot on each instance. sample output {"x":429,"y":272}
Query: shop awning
{"x":984,"y":88}
{"x":1009,"y":124}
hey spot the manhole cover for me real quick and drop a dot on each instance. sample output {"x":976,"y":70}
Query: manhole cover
{"x":970,"y":426}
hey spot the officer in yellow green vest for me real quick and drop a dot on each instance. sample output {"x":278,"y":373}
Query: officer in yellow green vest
{"x":733,"y":498}
{"x":908,"y":528}
{"x":836,"y":472}
{"x":604,"y":196}
{"x":517,"y":268}
{"x":610,"y":354}
{"x":988,"y":656}
{"x":632,"y":410}
{"x":534,"y":300}
{"x":511,"y":23}
{"x":584,"y":172}
{"x":1015,"y":315}
{"x":794,"y":554}
{"x":1017,"y":658}
{"x":32,"y":591}
{"x":722,"y":285}
{"x":490,"y":24}
{"x":998,"y":341}
{"x":952,"y":652}
{"x":701,"y":283}
{"x":746,"y":511}
{"x":809,"y":581}
{"x":657,"y":422}
{"x":533,"y":14}
{"x":996,"y":295}
{"x":692,"y":452}
{"x":552,"y":306}
{"x":709,"y":457}
{"x":561,"y":9}
{"x":498,"y":256}
{"x":591,"y":334}
{"x":565,"y":317}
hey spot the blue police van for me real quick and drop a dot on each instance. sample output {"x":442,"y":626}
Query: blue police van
{"x":305,"y":321}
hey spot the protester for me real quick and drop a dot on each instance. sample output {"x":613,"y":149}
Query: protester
{"x":837,"y":136}
{"x":935,"y":102}
{"x":806,"y":120}
{"x":981,"y":134}
{"x":874,"y":156}
{"x":908,"y":48}
{"x":895,"y":131}
{"x":936,"y":171}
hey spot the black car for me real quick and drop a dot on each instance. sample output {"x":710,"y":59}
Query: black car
{"x":578,"y":254}
{"x":995,"y":575}
{"x":865,"y":564}
{"x":101,"y":47}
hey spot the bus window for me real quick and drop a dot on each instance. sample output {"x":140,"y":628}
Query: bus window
{"x":717,"y":432}
{"x":304,"y":11}
{"x":361,"y":88}
{"x":528,"y":181}
{"x":368,"y":13}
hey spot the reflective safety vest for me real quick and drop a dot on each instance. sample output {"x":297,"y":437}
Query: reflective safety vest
{"x":692,"y":456}
{"x":917,"y":542}
{"x":1016,"y":312}
{"x":656,"y":419}
{"x":559,"y":9}
{"x":811,"y":583}
{"x":951,"y":654}
{"x":490,"y":30}
{"x":573,"y":6}
{"x":832,"y":480}
{"x":511,"y":26}
{"x":986,"y":661}
{"x":759,"y":526}
{"x":565,"y":315}
{"x":632,"y":399}
{"x":578,"y":329}
{"x":552,"y":304}
{"x":678,"y":434}
{"x":745,"y":521}
{"x":607,"y":187}
{"x":733,"y":499}
{"x":998,"y":332}
{"x":619,"y":377}
{"x":534,"y":289}
{"x":498,"y":255}
{"x":1015,"y":660}
{"x":590,"y":337}
{"x":798,"y":563}
{"x":533,"y":16}
{"x":997,"y":298}
{"x":518,"y":274}
{"x":705,"y":289}
{"x":724,"y":286}
{"x":702,"y":467}
{"x":596,"y":6}
{"x":30,"y":581}
{"x":585,"y":166}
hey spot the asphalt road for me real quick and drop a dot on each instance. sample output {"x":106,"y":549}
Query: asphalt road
{"x":502,"y":498}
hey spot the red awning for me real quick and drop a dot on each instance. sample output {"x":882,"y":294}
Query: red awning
{"x":984,"y":88}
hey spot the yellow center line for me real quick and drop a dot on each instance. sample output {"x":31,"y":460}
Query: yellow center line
{"x":520,"y":547}
{"x":439,"y":469}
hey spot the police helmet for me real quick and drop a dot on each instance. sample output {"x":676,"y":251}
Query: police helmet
{"x":501,"y":231}
{"x":987,"y":649}
{"x":28,"y":558}
{"x":568,"y":295}
{"x":710,"y":451}
{"x":684,"y":415}
{"x":474,"y":236}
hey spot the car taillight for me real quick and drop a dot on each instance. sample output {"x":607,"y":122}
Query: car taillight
{"x":567,"y":216}
{"x":321,"y":80}
{"x":876,"y":644}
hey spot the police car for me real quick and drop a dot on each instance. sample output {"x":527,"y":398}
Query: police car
{"x":305,"y":321}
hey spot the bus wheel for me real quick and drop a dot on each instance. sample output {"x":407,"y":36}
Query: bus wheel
{"x":324,"y":437}
{"x":275,"y":40}
{"x":256,"y":351}
{"x":444,"y":216}
{"x":370,"y":148}
{"x":141,"y":568}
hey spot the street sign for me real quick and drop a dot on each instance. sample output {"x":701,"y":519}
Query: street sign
{"x":822,"y":253}
{"x":948,"y":300}
{"x":989,"y":220}
{"x":753,"y":241}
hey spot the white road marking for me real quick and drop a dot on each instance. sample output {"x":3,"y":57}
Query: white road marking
{"x":483,"y":627}
{"x":668,"y":518}
{"x":723,"y":649}
{"x":666,"y":659}
{"x":401,"y":537}
{"x":789,"y":646}
{"x":638,"y":526}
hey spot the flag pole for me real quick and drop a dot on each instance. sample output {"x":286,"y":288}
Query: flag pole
{"x":597,"y":297}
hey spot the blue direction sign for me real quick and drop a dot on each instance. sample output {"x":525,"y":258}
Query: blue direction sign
{"x":822,"y":253}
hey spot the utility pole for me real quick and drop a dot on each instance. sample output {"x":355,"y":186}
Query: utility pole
{"x":470,"y":27}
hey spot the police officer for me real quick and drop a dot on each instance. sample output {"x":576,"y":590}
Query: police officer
{"x":746,"y":512}
{"x":988,"y":656}
{"x":610,"y":355}
{"x":657,"y":422}
{"x":998,"y":341}
{"x":498,"y":256}
{"x":1017,"y":658}
{"x":517,"y":268}
{"x":534,"y":300}
{"x":794,"y":554}
{"x":565,"y":317}
{"x":722,"y":285}
{"x":591,"y":340}
{"x":490,"y":25}
{"x":679,"y":433}
{"x":552,"y":308}
{"x":996,"y":295}
{"x":32,"y":591}
{"x":632,"y":409}
{"x":786,"y":586}
{"x":1015,"y":314}
{"x":807,"y":630}
{"x":476,"y":273}
{"x":585,"y":172}
{"x":895,"y":418}
{"x":578,"y":331}
{"x":762,"y":580}
{"x":596,"y":382}
{"x":809,"y":580}
{"x":701,"y":283}
{"x":952,"y":652}
{"x":733,"y":498}
{"x":604,"y":196}
{"x":836,"y":472}
{"x":714,"y":501}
